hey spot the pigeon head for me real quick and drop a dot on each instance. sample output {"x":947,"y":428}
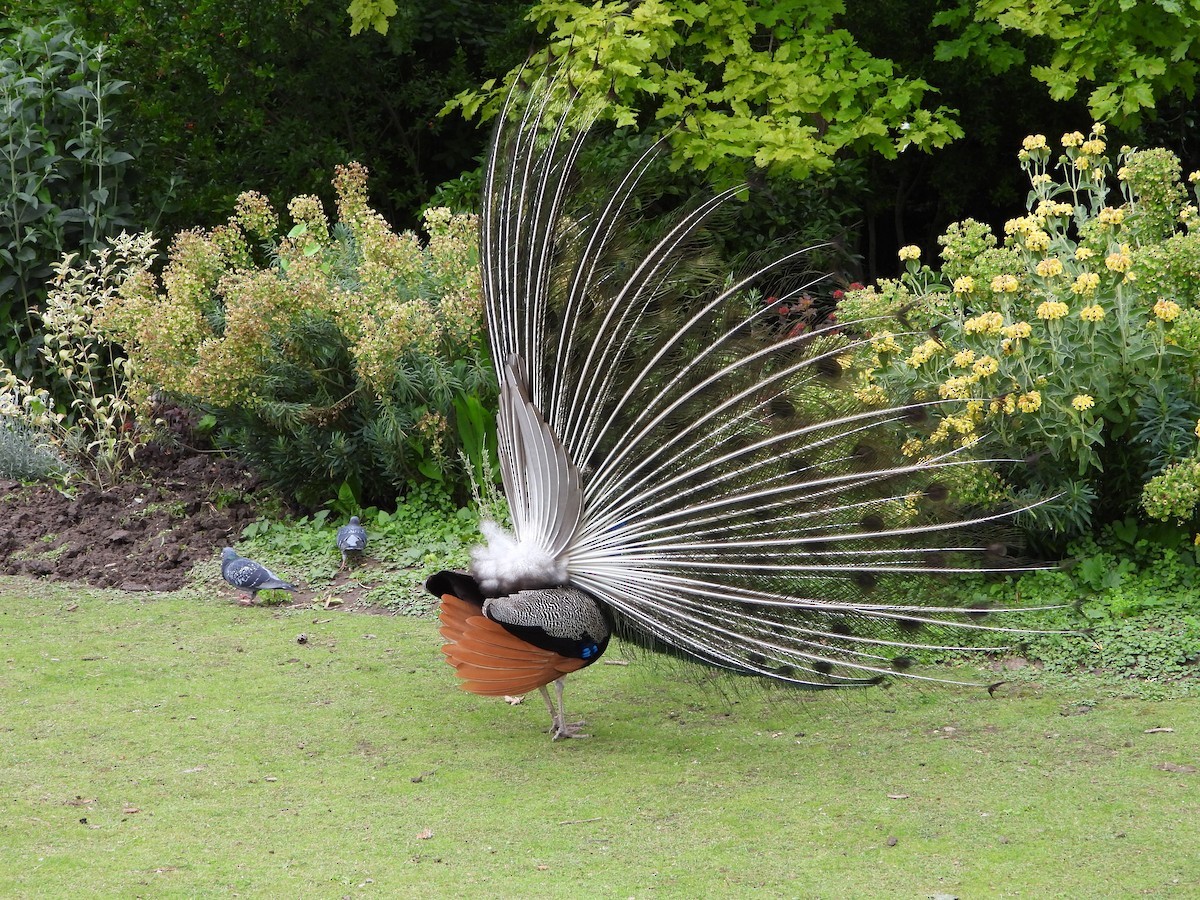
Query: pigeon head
{"x":354,"y":520}
{"x":228,"y":553}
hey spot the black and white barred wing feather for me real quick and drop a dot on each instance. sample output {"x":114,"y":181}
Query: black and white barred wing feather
{"x":666,"y":449}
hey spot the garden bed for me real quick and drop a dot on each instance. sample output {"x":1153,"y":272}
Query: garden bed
{"x":142,"y":534}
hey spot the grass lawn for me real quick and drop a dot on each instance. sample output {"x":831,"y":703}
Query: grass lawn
{"x":180,"y":745}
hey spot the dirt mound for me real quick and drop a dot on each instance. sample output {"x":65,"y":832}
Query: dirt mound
{"x":142,"y":534}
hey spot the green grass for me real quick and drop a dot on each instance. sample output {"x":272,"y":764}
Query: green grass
{"x":182,"y":746}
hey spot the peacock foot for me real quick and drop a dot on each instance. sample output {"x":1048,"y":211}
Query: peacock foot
{"x":567,"y":730}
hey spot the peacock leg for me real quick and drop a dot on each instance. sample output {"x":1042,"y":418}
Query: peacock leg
{"x":560,"y":729}
{"x":554,"y":722}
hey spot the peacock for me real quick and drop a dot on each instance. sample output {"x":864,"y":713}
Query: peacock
{"x":680,"y":470}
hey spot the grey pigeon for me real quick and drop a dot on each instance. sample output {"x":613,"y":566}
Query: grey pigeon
{"x":247,"y":575}
{"x":351,"y":540}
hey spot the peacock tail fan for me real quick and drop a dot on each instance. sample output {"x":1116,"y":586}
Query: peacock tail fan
{"x":705,"y":474}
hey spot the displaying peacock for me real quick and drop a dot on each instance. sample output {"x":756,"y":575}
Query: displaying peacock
{"x":679,"y":469}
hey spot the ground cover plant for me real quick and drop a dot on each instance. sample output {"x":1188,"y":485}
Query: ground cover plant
{"x":182,"y":745}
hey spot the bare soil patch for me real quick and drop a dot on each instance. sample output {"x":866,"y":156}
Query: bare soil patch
{"x":143,"y":534}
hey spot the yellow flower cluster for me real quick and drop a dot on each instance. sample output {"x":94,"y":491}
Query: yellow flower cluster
{"x":1037,"y":241}
{"x":1035,"y":142}
{"x":1167,"y":310}
{"x":1094,"y":147}
{"x":1051,"y":310}
{"x":985,"y":366}
{"x":1022,"y":225}
{"x":1017,"y":330}
{"x":350,"y":185}
{"x":306,"y":210}
{"x":1111,"y":216}
{"x":910,"y":252}
{"x":432,"y":427}
{"x":913,"y":446}
{"x":1084,"y":253}
{"x":1049,"y":209}
{"x":885,"y":342}
{"x":1072,"y":139}
{"x":961,"y":425}
{"x":957,"y":387}
{"x":1083,"y":402}
{"x":256,"y":216}
{"x":1119,"y":261}
{"x":964,"y":358}
{"x":922,"y":353}
{"x":1030,"y":402}
{"x":964,"y":284}
{"x":1049,"y":268}
{"x":984,"y":323}
{"x":1008,"y":404}
{"x":1086,"y":283}
{"x":1093,"y":313}
{"x":871,"y":395}
{"x":1005,"y":284}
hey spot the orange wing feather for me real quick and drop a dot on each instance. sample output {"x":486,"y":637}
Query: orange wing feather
{"x":492,"y":661}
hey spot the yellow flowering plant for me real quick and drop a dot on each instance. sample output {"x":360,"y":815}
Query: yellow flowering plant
{"x":1071,"y":341}
{"x":337,"y":352}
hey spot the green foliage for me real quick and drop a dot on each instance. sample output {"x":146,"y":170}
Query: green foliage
{"x":98,"y":432}
{"x":63,"y":164}
{"x":1052,"y":346}
{"x":426,"y":533}
{"x":1132,"y":54}
{"x":230,"y":94}
{"x":782,"y":85}
{"x":1134,"y":592}
{"x":371,"y":14}
{"x":331,"y":354}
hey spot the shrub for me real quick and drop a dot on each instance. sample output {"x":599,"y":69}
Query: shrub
{"x":25,"y":454}
{"x":1059,"y":342}
{"x":98,"y":432}
{"x":63,"y":164}
{"x":334,"y":354}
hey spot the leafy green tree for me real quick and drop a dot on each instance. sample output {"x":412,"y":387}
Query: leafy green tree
{"x":232,"y":95}
{"x":1132,"y":55}
{"x":783,"y":85}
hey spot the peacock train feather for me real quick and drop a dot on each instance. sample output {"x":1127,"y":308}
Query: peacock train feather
{"x":678,"y":470}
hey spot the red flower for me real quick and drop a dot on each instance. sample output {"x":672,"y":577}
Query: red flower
{"x":856,"y":285}
{"x":783,"y":310}
{"x":839,"y":294}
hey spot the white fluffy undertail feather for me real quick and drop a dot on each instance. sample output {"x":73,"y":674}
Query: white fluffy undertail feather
{"x":505,"y":565}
